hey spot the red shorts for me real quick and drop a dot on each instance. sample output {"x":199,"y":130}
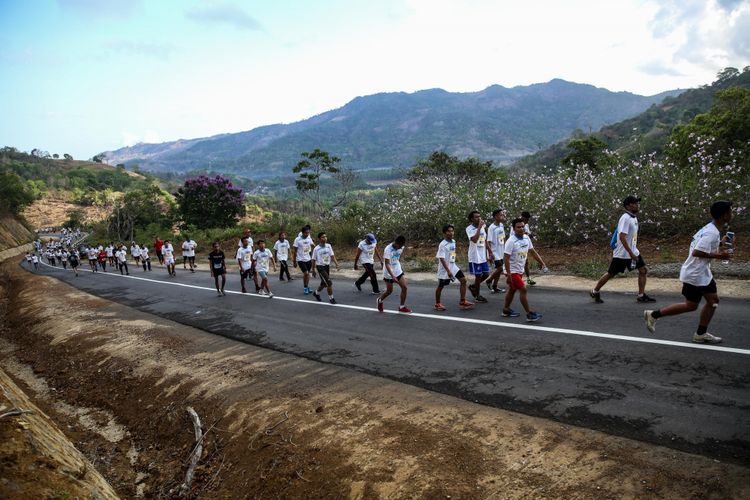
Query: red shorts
{"x":516,"y":281}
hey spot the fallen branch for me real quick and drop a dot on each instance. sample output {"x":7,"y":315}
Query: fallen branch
{"x":14,"y":412}
{"x":196,"y":453}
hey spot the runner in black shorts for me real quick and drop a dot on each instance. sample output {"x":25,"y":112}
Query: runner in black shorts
{"x":696,"y":277}
{"x":218,"y":267}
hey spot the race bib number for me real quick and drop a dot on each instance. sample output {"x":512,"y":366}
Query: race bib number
{"x":305,"y":248}
{"x":326,"y":259}
{"x":452,"y":258}
{"x":480,"y":241}
{"x":371,"y":253}
{"x":247,"y":257}
{"x":218,"y":265}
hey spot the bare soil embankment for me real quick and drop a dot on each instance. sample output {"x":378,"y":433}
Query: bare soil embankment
{"x":118,"y":382}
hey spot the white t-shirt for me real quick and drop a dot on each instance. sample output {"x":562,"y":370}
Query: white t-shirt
{"x":447,"y":251}
{"x":110,"y":251}
{"x":262,"y":259}
{"x":518,"y":249}
{"x":696,"y":271}
{"x":135,"y":251}
{"x":34,"y":259}
{"x":323,"y":254}
{"x":628,"y":225}
{"x":245,"y":256}
{"x":168,"y":251}
{"x":144,"y":253}
{"x":394,"y":256}
{"x":282,"y":249}
{"x":303,"y":247}
{"x":496,"y":239}
{"x":250,"y":242}
{"x":92,"y":253}
{"x":188,"y":248}
{"x":367,"y":255}
{"x":121,"y":255}
{"x":478,"y":250}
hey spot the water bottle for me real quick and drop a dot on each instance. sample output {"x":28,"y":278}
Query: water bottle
{"x":729,"y":245}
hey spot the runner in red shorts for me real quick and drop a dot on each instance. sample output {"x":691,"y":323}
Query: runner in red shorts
{"x":517,"y":248}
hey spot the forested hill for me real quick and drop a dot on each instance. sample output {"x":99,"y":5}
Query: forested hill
{"x":397,"y":129}
{"x":650,"y":130}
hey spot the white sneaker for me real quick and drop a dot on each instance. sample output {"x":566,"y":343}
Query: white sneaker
{"x":261,"y":292}
{"x":706,"y":338}
{"x":270,"y":295}
{"x":650,"y":320}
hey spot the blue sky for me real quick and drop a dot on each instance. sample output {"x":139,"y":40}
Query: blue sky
{"x":85,"y":76}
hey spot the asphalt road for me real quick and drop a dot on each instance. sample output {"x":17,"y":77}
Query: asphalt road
{"x":585,"y":364}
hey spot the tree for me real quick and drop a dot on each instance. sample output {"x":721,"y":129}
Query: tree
{"x":67,"y":156}
{"x":208,"y":202}
{"x":75,"y":218}
{"x":99,"y":158}
{"x":445,"y":168}
{"x":55,"y":156}
{"x":15,"y":194}
{"x":587,"y":151}
{"x":726,"y":74}
{"x":311,"y":169}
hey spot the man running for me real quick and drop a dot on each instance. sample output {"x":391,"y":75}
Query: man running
{"x":392,"y":273}
{"x":625,"y":253}
{"x":323,"y":255}
{"x":28,"y":260}
{"x":93,"y":255}
{"x":302,"y":249}
{"x":218,"y":266}
{"x":35,"y":261}
{"x":448,"y":271}
{"x":496,"y":247}
{"x":135,"y":251}
{"x":697,"y":280}
{"x":516,"y":253}
{"x":188,"y":253}
{"x":245,"y":261}
{"x":158,"y":244}
{"x":145,"y":259}
{"x":168,"y":253}
{"x":122,"y":259}
{"x":478,"y":266}
{"x":367,"y":250}
{"x":262,"y":257}
{"x":102,"y":258}
{"x":74,"y":261}
{"x":281,"y":249}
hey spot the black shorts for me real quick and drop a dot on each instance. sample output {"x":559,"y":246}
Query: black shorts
{"x":459,"y":276}
{"x":218,"y":272}
{"x":618,"y":266}
{"x":398,"y":278}
{"x":695,"y":293}
{"x":325,"y":275}
{"x":247,"y":274}
{"x":305,"y":267}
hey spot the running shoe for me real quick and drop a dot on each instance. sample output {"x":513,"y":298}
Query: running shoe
{"x":260,"y":292}
{"x":270,"y":295}
{"x":530,"y":282}
{"x":650,"y":320}
{"x":645,"y":298}
{"x":597,"y":296}
{"x":489,"y":285}
{"x":244,"y":290}
{"x":481,"y":299}
{"x":404,"y":309}
{"x":465,"y":304}
{"x":332,"y":301}
{"x":376,"y":292}
{"x":510,"y":313}
{"x":358,"y":287}
{"x":223,"y":292}
{"x":317,"y":296}
{"x":497,"y":290}
{"x":439,"y":307}
{"x":533,"y":316}
{"x":306,"y":290}
{"x":706,"y":338}
{"x":380,"y":305}
{"x":218,"y":293}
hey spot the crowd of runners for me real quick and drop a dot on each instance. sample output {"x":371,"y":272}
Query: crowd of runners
{"x":493,"y":255}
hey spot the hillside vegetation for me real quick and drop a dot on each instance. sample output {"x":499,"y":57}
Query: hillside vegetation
{"x":649,"y":131}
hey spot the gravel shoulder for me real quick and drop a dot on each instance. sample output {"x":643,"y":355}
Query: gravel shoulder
{"x":118,"y":382}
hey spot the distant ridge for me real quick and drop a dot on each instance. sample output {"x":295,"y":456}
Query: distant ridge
{"x":396,"y":129}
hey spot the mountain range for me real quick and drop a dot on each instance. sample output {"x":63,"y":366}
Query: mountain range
{"x":391,"y":130}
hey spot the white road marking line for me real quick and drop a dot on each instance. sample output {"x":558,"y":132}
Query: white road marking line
{"x":584,"y":333}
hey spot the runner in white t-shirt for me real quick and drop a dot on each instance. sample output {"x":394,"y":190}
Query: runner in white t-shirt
{"x":145,"y":259}
{"x":496,"y":247}
{"x":367,"y":251}
{"x":302,"y":253}
{"x":392,"y":273}
{"x":323,"y":255}
{"x":122,"y":260}
{"x":478,"y":266}
{"x":281,"y":249}
{"x":448,"y":271}
{"x":696,"y":276}
{"x":625,"y":254}
{"x":135,"y":251}
{"x":188,"y":253}
{"x":167,"y":252}
{"x":517,"y":247}
{"x":262,"y":260}
{"x":245,"y":262}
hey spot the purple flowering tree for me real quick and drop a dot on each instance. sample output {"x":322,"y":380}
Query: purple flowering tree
{"x":207,"y":202}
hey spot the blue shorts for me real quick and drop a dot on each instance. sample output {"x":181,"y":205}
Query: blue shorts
{"x":479,"y":269}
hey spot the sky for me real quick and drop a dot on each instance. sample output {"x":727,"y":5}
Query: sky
{"x":86,"y":76}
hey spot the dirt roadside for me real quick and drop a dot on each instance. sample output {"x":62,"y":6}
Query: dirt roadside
{"x":118,"y":381}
